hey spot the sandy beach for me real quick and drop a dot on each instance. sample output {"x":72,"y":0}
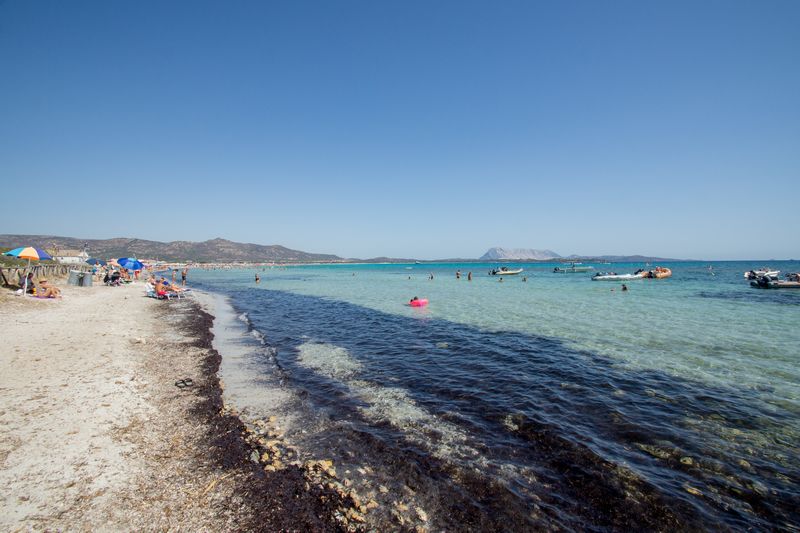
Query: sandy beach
{"x":96,"y":436}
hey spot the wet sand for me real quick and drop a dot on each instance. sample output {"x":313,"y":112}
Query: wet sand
{"x":95,"y":435}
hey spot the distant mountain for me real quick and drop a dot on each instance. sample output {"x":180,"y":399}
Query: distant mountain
{"x":206,"y":251}
{"x":498,"y":254}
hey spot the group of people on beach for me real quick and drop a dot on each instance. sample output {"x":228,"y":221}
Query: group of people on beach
{"x":44,"y":290}
{"x":163,"y":288}
{"x":116,"y":277}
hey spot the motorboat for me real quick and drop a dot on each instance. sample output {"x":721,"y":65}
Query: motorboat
{"x":658,"y":273}
{"x":572,"y":269}
{"x":761,"y":272}
{"x":504,"y":271}
{"x":765,"y":282}
{"x":613,"y":276}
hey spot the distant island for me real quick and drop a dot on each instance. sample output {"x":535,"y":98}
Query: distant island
{"x":530,"y":254}
{"x":497,"y":253}
{"x":223,"y":250}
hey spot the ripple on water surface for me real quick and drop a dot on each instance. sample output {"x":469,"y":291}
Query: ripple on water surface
{"x":509,"y":429}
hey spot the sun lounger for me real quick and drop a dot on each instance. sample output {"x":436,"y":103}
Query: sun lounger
{"x":166,"y":295}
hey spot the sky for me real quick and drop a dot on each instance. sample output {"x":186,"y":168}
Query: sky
{"x":406,"y":129}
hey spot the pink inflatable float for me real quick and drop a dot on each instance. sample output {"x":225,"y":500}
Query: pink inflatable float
{"x":418,"y":302}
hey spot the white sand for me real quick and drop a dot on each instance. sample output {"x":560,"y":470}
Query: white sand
{"x":95,"y":436}
{"x":68,"y":382}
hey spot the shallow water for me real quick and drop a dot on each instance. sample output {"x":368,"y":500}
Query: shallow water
{"x":548,"y":403}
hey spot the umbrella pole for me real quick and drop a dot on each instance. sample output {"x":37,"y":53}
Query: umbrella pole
{"x":25,"y":284}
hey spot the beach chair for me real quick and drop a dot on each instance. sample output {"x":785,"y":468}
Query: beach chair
{"x":150,"y":292}
{"x":182,"y":293}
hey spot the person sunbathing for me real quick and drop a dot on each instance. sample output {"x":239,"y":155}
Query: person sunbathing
{"x":47,"y":291}
{"x":170,"y":287}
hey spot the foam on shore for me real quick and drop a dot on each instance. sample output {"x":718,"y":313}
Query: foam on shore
{"x":248,"y":369}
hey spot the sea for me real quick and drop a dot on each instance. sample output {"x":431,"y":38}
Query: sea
{"x":542,"y":401}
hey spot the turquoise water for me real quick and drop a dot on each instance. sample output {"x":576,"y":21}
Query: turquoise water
{"x":701,"y":358}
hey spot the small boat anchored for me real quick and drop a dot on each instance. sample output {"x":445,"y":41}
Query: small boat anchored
{"x":504,"y":271}
{"x":613,"y":276}
{"x":792,"y":281}
{"x":658,"y":273}
{"x":572,"y":269}
{"x":761,"y":272}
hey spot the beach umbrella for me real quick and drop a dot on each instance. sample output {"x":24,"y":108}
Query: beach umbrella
{"x":29,"y":253}
{"x":129,"y":263}
{"x":93,"y":261}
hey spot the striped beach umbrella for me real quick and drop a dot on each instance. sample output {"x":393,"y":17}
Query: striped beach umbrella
{"x":30,"y":253}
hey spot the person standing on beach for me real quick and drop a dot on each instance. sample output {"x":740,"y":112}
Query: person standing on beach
{"x":183,"y":276}
{"x":174,"y":275}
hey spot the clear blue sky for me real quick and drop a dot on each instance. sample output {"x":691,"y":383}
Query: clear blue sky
{"x":407,"y":129}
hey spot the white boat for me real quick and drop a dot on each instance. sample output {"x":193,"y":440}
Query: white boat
{"x":612,"y":276}
{"x":504,"y":271}
{"x":572,"y":269}
{"x":761,"y":272}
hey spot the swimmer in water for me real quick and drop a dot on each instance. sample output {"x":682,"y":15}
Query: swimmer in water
{"x":258,"y":279}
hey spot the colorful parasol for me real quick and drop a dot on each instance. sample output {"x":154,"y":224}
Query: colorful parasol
{"x":130,"y":263}
{"x":29,"y":252}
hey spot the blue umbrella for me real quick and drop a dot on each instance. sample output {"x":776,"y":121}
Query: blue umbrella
{"x":130,"y":263}
{"x":93,"y":261}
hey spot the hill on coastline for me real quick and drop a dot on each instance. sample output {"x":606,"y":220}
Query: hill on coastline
{"x":213,"y":250}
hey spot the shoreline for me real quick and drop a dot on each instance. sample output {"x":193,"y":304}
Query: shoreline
{"x":96,"y":436}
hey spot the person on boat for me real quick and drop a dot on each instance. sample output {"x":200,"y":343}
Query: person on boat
{"x":414,"y":299}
